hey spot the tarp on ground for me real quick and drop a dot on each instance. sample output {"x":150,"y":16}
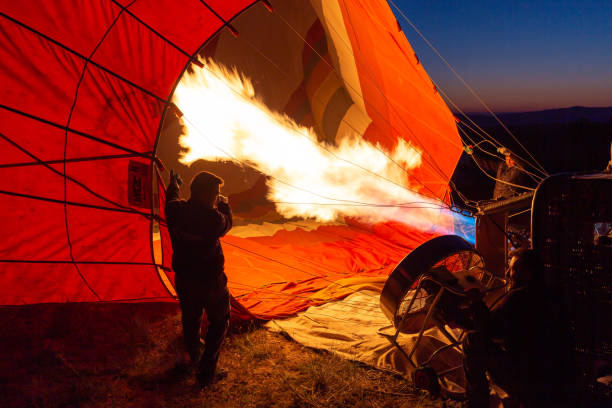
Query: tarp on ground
{"x":348,"y":328}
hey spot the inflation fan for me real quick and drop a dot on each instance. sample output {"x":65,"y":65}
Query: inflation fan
{"x":431,"y":287}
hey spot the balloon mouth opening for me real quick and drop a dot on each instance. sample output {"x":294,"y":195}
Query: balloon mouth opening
{"x":286,"y":125}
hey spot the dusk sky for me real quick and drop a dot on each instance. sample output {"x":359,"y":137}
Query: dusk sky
{"x":517,"y":55}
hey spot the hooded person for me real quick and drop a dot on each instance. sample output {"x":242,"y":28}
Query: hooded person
{"x":195,"y":227}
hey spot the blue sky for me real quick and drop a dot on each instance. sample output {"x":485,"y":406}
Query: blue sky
{"x":517,"y":55}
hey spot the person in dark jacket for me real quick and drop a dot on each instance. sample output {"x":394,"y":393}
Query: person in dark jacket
{"x":195,"y":227}
{"x":510,"y":341}
{"x":509,"y":173}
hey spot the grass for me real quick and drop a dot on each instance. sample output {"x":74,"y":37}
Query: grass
{"x":131,"y":355}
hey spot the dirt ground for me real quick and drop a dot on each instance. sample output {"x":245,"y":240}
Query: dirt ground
{"x":131,"y":355}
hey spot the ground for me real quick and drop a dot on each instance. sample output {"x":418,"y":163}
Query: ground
{"x":131,"y":355}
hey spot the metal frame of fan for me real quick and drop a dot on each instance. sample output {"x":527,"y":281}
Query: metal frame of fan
{"x":428,"y":288}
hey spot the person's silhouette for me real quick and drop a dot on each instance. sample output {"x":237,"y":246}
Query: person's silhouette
{"x":195,"y":227}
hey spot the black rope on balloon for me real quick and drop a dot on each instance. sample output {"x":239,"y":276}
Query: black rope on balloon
{"x":76,"y":204}
{"x":120,"y":207}
{"x":75,"y":181}
{"x":44,"y":261}
{"x":119,"y":300}
{"x":125,"y":9}
{"x":213,"y":11}
{"x":73,"y":131}
{"x":75,"y":160}
{"x":74,"y":102}
{"x":225,"y":22}
{"x":87,"y":60}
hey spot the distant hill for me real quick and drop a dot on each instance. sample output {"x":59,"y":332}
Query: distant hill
{"x":547,"y":117}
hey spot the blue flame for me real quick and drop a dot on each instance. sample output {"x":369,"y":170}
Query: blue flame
{"x":465,"y":227}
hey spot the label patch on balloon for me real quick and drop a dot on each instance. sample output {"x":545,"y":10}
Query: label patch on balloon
{"x":139,"y":184}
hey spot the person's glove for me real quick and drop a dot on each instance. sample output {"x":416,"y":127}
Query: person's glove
{"x":175,"y":178}
{"x":222,"y":204}
{"x":504,"y":150}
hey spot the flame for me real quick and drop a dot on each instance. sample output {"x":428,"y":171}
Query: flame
{"x":225,"y":121}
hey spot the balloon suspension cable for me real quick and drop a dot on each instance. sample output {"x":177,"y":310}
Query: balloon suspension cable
{"x":469,"y":147}
{"x":470,"y":153}
{"x":469,"y":88}
{"x":487,"y":136}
